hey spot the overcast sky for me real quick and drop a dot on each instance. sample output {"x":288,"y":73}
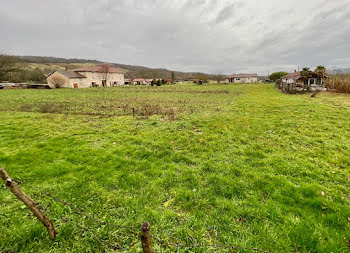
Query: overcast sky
{"x":187,"y":35}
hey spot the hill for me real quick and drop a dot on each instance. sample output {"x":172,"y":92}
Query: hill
{"x":130,"y":70}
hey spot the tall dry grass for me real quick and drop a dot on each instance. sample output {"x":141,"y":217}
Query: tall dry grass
{"x":339,"y":82}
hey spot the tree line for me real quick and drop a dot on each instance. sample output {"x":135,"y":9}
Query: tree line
{"x":13,"y":70}
{"x":320,"y":71}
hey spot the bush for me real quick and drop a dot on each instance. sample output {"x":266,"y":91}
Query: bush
{"x":36,"y":75}
{"x":26,"y":76}
{"x":339,"y":83}
{"x":153,"y":82}
{"x":277,"y":75}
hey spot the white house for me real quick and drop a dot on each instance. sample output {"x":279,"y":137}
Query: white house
{"x":242,"y":78}
{"x":88,"y":76}
{"x":295,"y":82}
{"x":139,"y":81}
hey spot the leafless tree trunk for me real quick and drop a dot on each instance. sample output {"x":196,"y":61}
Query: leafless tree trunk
{"x":219,"y":78}
{"x":105,"y":73}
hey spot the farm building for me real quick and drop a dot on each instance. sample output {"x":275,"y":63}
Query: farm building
{"x":128,"y":81}
{"x":139,"y":81}
{"x":148,"y":81}
{"x":296,"y":82}
{"x":242,"y":78}
{"x":85,"y":77}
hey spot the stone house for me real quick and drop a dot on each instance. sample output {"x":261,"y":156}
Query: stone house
{"x":242,"y":78}
{"x":139,"y":81}
{"x":85,"y":77}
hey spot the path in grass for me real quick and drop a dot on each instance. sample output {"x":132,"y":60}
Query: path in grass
{"x":240,"y":164}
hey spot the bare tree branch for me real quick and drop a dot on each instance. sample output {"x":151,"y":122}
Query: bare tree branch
{"x":57,"y":81}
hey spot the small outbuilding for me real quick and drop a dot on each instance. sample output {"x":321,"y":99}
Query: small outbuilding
{"x":139,"y":81}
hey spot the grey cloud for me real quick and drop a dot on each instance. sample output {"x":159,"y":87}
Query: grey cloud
{"x":191,"y":35}
{"x":226,"y":13}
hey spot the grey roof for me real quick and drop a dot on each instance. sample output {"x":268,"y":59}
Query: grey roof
{"x":294,"y":75}
{"x":70,"y":74}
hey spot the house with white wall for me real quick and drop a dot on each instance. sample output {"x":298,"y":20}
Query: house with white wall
{"x":296,"y":82}
{"x":87,"y":76}
{"x":242,"y":78}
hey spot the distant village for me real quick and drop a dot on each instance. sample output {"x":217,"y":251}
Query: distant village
{"x":105,"y":75}
{"x":109,"y":76}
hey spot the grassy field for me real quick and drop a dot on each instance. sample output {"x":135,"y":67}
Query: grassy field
{"x":217,"y":164}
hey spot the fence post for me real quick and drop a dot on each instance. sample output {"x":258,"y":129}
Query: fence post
{"x":146,"y":238}
{"x":13,"y":186}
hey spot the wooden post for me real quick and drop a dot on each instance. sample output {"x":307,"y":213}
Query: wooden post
{"x":146,"y":238}
{"x":13,"y":186}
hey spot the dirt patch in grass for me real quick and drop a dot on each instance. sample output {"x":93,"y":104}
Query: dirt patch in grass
{"x":50,"y":108}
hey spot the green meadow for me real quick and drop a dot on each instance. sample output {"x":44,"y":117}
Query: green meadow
{"x":240,"y":165}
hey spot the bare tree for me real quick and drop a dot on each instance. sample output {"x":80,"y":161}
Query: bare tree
{"x":173,"y":77}
{"x":57,"y":81}
{"x":7,"y":65}
{"x":105,"y":71}
{"x":202,"y":77}
{"x":219,"y":78}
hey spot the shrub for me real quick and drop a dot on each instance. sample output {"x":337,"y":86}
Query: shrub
{"x":57,"y":81}
{"x":339,"y":83}
{"x":153,"y":82}
{"x":277,"y":75}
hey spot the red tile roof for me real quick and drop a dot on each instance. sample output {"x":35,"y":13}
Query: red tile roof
{"x":139,"y":80}
{"x":242,"y":75}
{"x":99,"y":69}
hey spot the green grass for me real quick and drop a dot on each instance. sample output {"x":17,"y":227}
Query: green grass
{"x":216,"y":164}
